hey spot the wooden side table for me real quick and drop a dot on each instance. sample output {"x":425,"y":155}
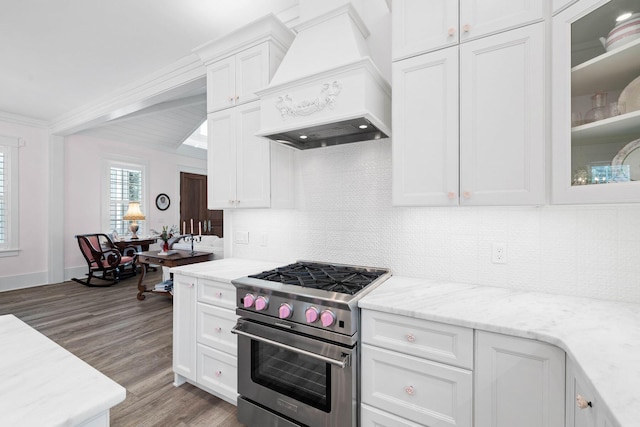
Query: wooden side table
{"x":143,"y":243}
{"x":173,"y":260}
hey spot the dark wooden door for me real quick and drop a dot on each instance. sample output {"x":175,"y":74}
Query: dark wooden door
{"x":193,"y":205}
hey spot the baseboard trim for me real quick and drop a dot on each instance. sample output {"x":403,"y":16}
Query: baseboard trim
{"x":21,"y":281}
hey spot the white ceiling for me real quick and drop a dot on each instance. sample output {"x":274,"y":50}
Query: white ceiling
{"x":60,"y":55}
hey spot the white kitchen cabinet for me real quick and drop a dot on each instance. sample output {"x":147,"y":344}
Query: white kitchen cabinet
{"x":591,"y":161}
{"x":204,"y":349}
{"x":425,"y":129}
{"x":184,"y":331}
{"x":234,"y":80}
{"x":493,"y":152}
{"x":583,"y":405}
{"x":239,"y":173}
{"x":404,"y":381}
{"x":518,"y":382}
{"x":502,"y":122}
{"x":420,"y":26}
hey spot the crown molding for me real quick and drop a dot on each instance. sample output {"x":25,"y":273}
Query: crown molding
{"x":183,"y":76}
{"x":23,"y":120}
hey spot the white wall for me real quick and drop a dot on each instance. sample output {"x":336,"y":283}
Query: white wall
{"x":30,"y":266}
{"x":84,"y":181}
{"x":344,"y":214}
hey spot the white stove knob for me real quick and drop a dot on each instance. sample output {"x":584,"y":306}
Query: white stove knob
{"x":262,"y":303}
{"x":285,"y":311}
{"x":248,"y":300}
{"x":327,"y":318}
{"x":311,"y":314}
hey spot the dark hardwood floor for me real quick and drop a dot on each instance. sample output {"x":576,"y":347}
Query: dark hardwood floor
{"x":128,"y":340}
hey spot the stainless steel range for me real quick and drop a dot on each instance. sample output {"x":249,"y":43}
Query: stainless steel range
{"x":298,"y":344}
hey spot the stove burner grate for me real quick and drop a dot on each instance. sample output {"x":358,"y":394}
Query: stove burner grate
{"x":333,"y":278}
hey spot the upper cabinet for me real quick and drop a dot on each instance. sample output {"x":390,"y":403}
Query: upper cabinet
{"x":596,"y":103}
{"x":243,"y":61}
{"x":244,"y":170}
{"x":469,"y":125}
{"x":421,"y":26}
{"x":234,"y":80}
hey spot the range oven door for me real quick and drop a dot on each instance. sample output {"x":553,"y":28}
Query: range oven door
{"x":297,"y":377}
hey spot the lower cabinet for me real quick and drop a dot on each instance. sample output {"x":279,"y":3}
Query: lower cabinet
{"x":518,"y":382}
{"x":204,"y":349}
{"x":583,"y":406}
{"x":422,"y":373}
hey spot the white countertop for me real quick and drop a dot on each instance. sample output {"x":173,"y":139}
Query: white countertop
{"x":41,"y":383}
{"x":227,"y":269}
{"x":603,"y":337}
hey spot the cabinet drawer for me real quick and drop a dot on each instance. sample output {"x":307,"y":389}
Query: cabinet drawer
{"x":218,"y":371}
{"x":373,"y":417}
{"x":435,"y":341}
{"x":213,"y":328}
{"x":217,"y":293}
{"x":420,"y":390}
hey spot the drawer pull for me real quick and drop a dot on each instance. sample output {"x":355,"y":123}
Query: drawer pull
{"x":218,"y":329}
{"x":411,"y":337}
{"x":218,"y":373}
{"x":451,"y":31}
{"x":409,"y":390}
{"x":582,"y":402}
{"x":219,"y":294}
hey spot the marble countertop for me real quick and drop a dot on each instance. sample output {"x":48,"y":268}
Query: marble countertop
{"x":41,"y":383}
{"x":603,"y":337}
{"x":227,"y":269}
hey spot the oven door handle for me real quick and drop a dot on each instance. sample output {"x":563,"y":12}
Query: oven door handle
{"x":341,"y":363}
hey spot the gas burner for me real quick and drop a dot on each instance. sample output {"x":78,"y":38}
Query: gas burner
{"x":328,"y":277}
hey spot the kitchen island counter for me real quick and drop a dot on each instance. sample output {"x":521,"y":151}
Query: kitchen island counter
{"x":603,"y":337}
{"x":226,"y":269}
{"x":42,"y":384}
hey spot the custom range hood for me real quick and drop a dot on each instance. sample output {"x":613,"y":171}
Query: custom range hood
{"x":327,"y":90}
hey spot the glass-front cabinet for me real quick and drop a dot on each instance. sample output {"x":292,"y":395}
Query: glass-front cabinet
{"x":596,"y":102}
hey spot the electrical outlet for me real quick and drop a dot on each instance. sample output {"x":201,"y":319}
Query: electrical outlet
{"x":242,"y":237}
{"x":499,"y":253}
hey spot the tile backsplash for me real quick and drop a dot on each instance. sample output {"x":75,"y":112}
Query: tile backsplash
{"x":343,"y":214}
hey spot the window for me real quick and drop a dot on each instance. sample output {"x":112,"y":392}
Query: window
{"x":126,"y":184}
{"x":9,"y":230}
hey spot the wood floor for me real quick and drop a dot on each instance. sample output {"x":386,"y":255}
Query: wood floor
{"x":128,"y":340}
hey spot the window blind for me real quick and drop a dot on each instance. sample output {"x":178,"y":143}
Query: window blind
{"x":126,"y":185}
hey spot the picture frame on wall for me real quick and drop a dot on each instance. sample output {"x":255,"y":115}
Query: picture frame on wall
{"x":163,"y":202}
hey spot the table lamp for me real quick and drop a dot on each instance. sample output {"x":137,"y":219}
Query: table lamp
{"x":133,"y":214}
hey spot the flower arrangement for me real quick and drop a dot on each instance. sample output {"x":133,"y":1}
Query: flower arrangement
{"x":166,"y":234}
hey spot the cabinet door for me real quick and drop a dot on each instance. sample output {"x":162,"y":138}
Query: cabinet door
{"x":218,"y":372}
{"x":502,"y":122}
{"x":221,"y":90}
{"x":577,"y":385}
{"x":518,"y":382}
{"x":253,"y":159}
{"x":420,"y":26}
{"x":184,"y":326}
{"x":425,"y":126}
{"x":482,"y":17}
{"x":251,"y":73}
{"x":221,"y":160}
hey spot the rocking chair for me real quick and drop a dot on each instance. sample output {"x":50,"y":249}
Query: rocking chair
{"x":104,"y":260}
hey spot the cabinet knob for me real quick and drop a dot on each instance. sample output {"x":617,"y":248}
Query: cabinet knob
{"x":582,"y":402}
{"x":218,"y":373}
{"x":451,"y":195}
{"x":219,"y":294}
{"x":409,"y":390}
{"x":411,"y":337}
{"x":230,"y":98}
{"x":451,"y":31}
{"x":218,"y":329}
{"x":466,"y":28}
{"x":466,"y":194}
{"x":237,"y":97}
{"x":191,"y":285}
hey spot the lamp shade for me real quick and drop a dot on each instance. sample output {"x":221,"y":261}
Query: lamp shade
{"x":133,"y":212}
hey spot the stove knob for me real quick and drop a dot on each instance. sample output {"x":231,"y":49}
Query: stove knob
{"x":285,"y":311}
{"x":262,"y":303}
{"x":312,"y":314}
{"x":248,"y":300}
{"x":327,"y":318}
